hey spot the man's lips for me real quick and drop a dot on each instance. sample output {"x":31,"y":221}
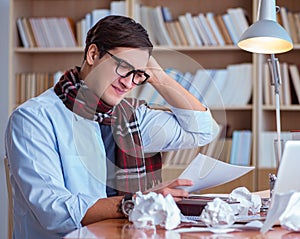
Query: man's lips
{"x":118,"y":90}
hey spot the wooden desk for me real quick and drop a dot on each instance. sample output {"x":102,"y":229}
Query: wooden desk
{"x":121,"y":228}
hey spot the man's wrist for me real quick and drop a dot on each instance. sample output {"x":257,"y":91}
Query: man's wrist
{"x":126,"y":204}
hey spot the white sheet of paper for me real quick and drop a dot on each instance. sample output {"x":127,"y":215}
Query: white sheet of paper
{"x":207,"y":172}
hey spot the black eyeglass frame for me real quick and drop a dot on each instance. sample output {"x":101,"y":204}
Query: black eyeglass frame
{"x":133,"y":71}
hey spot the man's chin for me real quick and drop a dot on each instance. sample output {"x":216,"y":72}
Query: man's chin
{"x":112,"y":102}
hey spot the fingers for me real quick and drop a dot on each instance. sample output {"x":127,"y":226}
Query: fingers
{"x":172,"y":188}
{"x":176,"y":193}
{"x":180,"y":182}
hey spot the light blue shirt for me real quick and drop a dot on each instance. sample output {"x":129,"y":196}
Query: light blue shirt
{"x":58,"y":163}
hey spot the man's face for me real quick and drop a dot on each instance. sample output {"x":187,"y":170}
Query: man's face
{"x":108,"y":77}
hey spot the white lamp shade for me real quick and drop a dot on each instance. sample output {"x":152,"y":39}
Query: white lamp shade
{"x":266,"y":36}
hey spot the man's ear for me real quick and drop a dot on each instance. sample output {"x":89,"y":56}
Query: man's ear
{"x":92,"y":54}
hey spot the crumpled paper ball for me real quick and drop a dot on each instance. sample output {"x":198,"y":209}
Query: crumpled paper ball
{"x":217,"y":213}
{"x":290,"y":218}
{"x":248,"y":202}
{"x":154,"y":209}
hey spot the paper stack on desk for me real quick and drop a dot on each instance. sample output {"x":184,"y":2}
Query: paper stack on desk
{"x":207,"y":172}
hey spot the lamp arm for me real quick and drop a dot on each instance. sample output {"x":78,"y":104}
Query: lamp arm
{"x":276,"y":81}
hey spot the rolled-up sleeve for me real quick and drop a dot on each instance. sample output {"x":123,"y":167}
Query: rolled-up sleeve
{"x":175,"y":129}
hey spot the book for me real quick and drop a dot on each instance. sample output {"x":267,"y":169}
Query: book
{"x":238,"y":20}
{"x":166,"y":13}
{"x":160,"y":28}
{"x":234,"y":79}
{"x":98,"y":14}
{"x":223,"y":29}
{"x":209,"y":33}
{"x":118,"y":8}
{"x":147,"y":22}
{"x":225,"y":153}
{"x":201,"y":31}
{"x":54,"y":34}
{"x":18,"y":88}
{"x":81,"y":31}
{"x":230,"y":27}
{"x":244,"y":83}
{"x":297,"y":23}
{"x":174,"y":32}
{"x":267,"y":85}
{"x":28,"y":29}
{"x":137,"y":12}
{"x":214,"y":96}
{"x":38,"y":32}
{"x":212,"y":149}
{"x":23,"y":33}
{"x":181,"y":34}
{"x":284,"y":18}
{"x":215,"y":29}
{"x":192,"y":26}
{"x":47,"y":32}
{"x":293,"y":28}
{"x":199,"y":84}
{"x":285,"y":83}
{"x":187,"y":30}
{"x":244,"y":149}
{"x":67,"y":27}
{"x":241,"y":147}
{"x":295,"y":76}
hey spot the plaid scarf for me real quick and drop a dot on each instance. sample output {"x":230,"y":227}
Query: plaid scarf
{"x":135,"y":171}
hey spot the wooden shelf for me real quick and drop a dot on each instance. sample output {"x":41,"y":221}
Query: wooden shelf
{"x":254,"y":116}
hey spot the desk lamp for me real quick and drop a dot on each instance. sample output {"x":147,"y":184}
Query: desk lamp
{"x":266,"y":36}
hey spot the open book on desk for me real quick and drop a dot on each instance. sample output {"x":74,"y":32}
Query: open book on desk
{"x":207,"y":172}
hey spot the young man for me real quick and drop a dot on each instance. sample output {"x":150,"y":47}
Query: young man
{"x":74,"y":149}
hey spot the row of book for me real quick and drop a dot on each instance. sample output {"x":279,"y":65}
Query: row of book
{"x":62,"y":31}
{"x":202,"y":29}
{"x":289,"y":88}
{"x":91,"y":18}
{"x":46,"y":32}
{"x":29,"y":85}
{"x":214,"y":87}
{"x":185,"y":30}
{"x":235,"y":150}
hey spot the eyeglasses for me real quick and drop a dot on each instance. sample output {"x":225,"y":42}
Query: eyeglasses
{"x":124,"y":69}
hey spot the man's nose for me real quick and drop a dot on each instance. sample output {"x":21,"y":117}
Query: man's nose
{"x":127,"y":81}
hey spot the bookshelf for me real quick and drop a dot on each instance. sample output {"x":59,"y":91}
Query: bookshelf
{"x":254,"y":116}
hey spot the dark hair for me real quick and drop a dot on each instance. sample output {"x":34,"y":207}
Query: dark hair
{"x":117,"y":31}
